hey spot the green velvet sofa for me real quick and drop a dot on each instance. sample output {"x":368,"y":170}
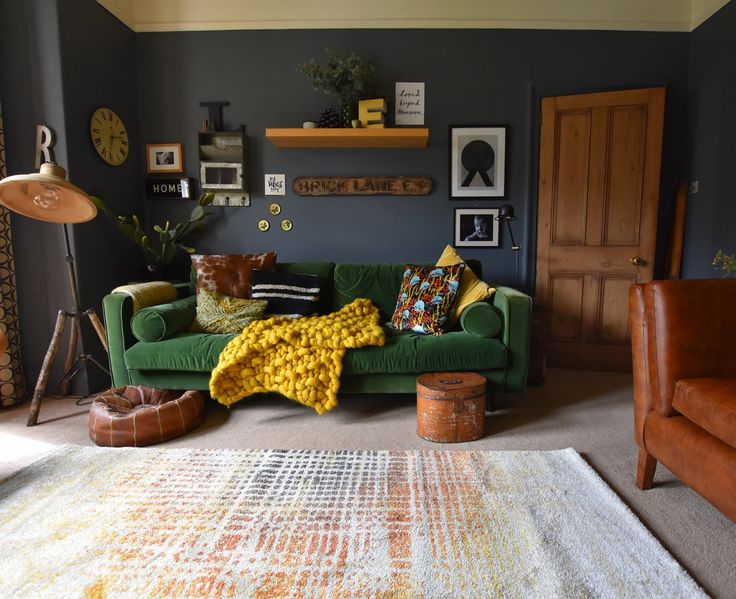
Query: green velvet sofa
{"x":184,"y":360}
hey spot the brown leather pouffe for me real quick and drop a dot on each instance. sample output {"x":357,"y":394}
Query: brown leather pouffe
{"x":135,"y":416}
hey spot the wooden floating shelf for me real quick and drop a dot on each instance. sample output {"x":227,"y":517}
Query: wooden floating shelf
{"x":349,"y":138}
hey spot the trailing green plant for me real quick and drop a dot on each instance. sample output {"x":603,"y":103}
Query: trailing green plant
{"x":349,"y":79}
{"x":725,"y":262}
{"x":160,"y":249}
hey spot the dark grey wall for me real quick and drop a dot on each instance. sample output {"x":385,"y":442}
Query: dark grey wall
{"x":471,"y":76}
{"x":711,"y":213}
{"x":62,"y":59}
{"x":58,"y":61}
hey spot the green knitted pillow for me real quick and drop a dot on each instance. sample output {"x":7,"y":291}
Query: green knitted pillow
{"x":217,"y":313}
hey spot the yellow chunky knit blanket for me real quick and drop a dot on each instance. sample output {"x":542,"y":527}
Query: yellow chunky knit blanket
{"x":299,"y":358}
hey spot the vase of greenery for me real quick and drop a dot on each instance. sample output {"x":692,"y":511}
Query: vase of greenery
{"x":161,"y":247}
{"x":348,"y":79}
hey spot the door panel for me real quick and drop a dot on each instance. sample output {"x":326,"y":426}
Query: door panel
{"x":599,"y":168}
{"x":614,"y":325}
{"x":566,"y":294}
{"x":572,"y":178}
{"x":628,"y":134}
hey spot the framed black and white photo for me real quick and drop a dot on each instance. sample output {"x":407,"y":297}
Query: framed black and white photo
{"x":476,"y":227}
{"x":477,"y":162}
{"x":164,"y":158}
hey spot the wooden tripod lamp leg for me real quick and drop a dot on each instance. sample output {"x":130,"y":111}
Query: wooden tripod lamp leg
{"x":43,"y":377}
{"x":71,"y":351}
{"x":98,"y":326}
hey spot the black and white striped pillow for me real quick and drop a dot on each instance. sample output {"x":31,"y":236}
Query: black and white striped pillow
{"x":288,"y":293}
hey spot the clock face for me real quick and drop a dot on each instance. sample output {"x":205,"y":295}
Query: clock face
{"x":109,"y":136}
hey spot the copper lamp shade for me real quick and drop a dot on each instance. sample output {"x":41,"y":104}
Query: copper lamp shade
{"x":47,"y":196}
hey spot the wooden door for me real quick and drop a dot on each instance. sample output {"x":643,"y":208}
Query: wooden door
{"x":599,"y":165}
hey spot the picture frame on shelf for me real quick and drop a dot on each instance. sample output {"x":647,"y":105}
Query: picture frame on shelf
{"x":478,"y":161}
{"x":476,"y":227}
{"x":164,"y":158}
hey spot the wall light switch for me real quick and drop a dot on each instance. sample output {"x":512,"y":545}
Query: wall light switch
{"x":693,"y":187}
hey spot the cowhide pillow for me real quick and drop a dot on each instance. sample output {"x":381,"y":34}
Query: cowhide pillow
{"x":230,"y":274}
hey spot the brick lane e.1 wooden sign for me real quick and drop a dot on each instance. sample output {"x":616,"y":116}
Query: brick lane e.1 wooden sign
{"x":362,"y":186}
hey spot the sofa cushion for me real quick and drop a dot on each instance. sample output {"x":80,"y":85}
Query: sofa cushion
{"x":426,"y":297}
{"x":481,"y":319}
{"x":217,"y":313}
{"x":407,"y":352}
{"x":710,"y":403}
{"x":472,"y":289}
{"x":164,"y":320}
{"x":229,"y":274}
{"x":194,"y":352}
{"x":288,"y":293}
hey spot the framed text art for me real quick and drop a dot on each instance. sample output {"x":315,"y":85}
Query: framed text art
{"x":164,"y":158}
{"x":477,"y":162}
{"x":476,"y":227}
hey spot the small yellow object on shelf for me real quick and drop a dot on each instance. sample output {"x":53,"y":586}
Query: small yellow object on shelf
{"x":370,"y":113}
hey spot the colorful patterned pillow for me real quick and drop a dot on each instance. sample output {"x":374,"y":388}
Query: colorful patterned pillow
{"x":229,"y":274}
{"x":426,"y":298}
{"x":217,"y":313}
{"x":287,"y":293}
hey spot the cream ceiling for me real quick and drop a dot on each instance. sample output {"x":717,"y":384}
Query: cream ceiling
{"x":197,"y":15}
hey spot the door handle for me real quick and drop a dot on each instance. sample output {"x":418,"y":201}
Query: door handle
{"x":636,"y":261}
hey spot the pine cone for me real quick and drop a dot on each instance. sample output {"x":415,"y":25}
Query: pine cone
{"x":329,"y":119}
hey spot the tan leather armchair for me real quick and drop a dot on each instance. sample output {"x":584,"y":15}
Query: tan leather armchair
{"x":683,"y":336}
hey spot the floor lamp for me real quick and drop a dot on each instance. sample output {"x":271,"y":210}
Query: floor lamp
{"x":48,"y":196}
{"x":506,"y":214}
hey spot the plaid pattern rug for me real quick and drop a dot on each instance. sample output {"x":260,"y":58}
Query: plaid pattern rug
{"x":98,"y":522}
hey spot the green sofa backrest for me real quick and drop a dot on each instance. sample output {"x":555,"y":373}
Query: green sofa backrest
{"x":379,"y":283}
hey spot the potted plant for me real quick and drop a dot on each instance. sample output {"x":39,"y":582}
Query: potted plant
{"x":159,"y":249}
{"x":348,"y":79}
{"x":725,"y":262}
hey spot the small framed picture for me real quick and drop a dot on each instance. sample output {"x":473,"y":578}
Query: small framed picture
{"x":164,"y":158}
{"x":477,"y":162}
{"x":476,"y":227}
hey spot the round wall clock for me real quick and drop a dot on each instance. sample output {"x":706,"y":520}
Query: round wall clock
{"x":109,"y":136}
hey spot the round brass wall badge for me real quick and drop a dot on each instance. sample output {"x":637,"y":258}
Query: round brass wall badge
{"x":274,"y":208}
{"x":286,"y":225}
{"x":263,"y":225}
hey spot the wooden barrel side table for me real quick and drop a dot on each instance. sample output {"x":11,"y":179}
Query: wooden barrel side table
{"x":451,"y":406}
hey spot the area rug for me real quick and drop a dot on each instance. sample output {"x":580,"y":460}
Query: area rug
{"x":97,"y":522}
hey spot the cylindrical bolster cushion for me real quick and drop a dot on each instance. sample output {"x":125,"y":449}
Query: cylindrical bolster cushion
{"x":136,"y":416}
{"x":160,"y":322}
{"x":481,"y":319}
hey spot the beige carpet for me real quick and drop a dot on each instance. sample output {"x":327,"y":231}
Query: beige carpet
{"x":588,"y":411}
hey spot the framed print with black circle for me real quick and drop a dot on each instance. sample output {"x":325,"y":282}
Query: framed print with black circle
{"x":476,"y":227}
{"x":477,"y":161}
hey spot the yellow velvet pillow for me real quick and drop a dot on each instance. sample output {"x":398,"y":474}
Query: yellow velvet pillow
{"x":472,"y":289}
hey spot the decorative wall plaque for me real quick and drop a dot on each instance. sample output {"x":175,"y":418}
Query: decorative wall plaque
{"x":362,"y":186}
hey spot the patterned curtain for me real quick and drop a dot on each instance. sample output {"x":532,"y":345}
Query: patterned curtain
{"x":12,"y":388}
